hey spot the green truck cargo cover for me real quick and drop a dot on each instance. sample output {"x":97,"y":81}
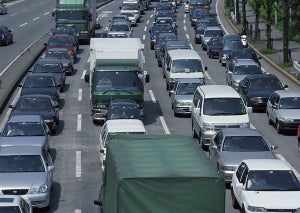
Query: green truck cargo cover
{"x":160,"y":174}
{"x":71,"y":4}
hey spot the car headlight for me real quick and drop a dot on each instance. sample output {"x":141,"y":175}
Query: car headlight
{"x":283,"y":119}
{"x":208,"y":127}
{"x":245,"y":125}
{"x":256,"y":209}
{"x":179,"y":103}
{"x":84,"y":31}
{"x":37,"y":190}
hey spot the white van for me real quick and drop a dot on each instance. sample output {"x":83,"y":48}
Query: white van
{"x":118,"y":126}
{"x":182,"y":63}
{"x":216,"y":107}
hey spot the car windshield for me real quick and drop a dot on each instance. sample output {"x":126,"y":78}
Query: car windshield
{"x":10,"y":209}
{"x":272,"y":180}
{"x":32,"y":82}
{"x":187,"y":88}
{"x":231,"y":45}
{"x":58,"y":54}
{"x":186,"y":65}
{"x":123,"y":112}
{"x":34,"y":103}
{"x":265,"y":84}
{"x":289,"y":103}
{"x":47,"y":68}
{"x":21,"y":163}
{"x":244,"y":144}
{"x":69,"y":31}
{"x":130,"y":6}
{"x":119,"y":27}
{"x":224,"y":106}
{"x":247,"y":69}
{"x":163,"y":28}
{"x":110,"y":135}
{"x":71,"y":15}
{"x":13,"y":129}
{"x":60,"y":41}
{"x":213,"y":33}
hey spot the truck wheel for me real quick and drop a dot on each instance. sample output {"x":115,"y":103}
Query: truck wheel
{"x":234,"y":202}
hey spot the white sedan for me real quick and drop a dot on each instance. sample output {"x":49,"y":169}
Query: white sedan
{"x":265,"y":185}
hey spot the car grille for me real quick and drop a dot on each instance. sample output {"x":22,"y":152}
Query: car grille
{"x":15,"y":191}
{"x":224,"y":126}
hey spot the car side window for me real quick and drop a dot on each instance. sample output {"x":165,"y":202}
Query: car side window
{"x":196,"y":98}
{"x":272,"y":98}
{"x":45,"y":154}
{"x":244,"y":176}
{"x":240,"y":171}
{"x":218,"y":139}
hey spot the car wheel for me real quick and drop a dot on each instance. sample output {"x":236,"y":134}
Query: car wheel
{"x":243,"y":210}
{"x":193,"y":130}
{"x":159,"y":64}
{"x":167,"y":86}
{"x":278,"y":127}
{"x":234,"y":202}
{"x":152,"y":46}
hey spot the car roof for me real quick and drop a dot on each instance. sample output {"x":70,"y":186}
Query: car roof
{"x":20,"y":150}
{"x":118,"y":101}
{"x":41,"y":74}
{"x":24,"y":118}
{"x":261,"y":75}
{"x":242,"y":62}
{"x":125,"y":125}
{"x":183,"y":54}
{"x":240,"y":132}
{"x":48,"y":61}
{"x":35,"y":96}
{"x":266,"y":164}
{"x":177,"y":43}
{"x":58,"y":49}
{"x":288,"y":93}
{"x":219,"y":91}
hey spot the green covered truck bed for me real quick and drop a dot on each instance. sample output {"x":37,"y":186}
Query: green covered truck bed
{"x":160,"y":173}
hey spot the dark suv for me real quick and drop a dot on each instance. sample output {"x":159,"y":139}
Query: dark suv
{"x":6,"y":36}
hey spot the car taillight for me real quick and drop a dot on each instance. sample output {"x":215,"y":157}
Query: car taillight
{"x":70,"y":52}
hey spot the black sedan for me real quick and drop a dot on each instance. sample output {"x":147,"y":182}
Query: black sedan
{"x":41,"y":83}
{"x":213,"y":47}
{"x":157,"y":29}
{"x":256,"y":89}
{"x":6,"y":36}
{"x":38,"y":105}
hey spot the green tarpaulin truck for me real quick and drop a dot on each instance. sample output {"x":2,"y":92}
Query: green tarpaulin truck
{"x":81,"y":14}
{"x":116,"y":72}
{"x":159,"y":174}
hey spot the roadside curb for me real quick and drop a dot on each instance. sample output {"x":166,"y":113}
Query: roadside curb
{"x":266,"y":58}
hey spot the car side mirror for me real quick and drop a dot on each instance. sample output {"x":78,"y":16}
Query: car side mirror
{"x":285,"y":86}
{"x":51,"y":168}
{"x":249,"y":109}
{"x":147,"y":78}
{"x":273,"y":147}
{"x":20,"y":85}
{"x":197,"y":110}
{"x":120,"y":7}
{"x":239,"y":185}
{"x":205,"y":68}
{"x":172,"y":92}
{"x":102,"y":151}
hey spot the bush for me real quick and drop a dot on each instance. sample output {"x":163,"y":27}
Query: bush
{"x":268,"y":51}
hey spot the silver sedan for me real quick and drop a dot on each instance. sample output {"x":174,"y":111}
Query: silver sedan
{"x":229,"y":147}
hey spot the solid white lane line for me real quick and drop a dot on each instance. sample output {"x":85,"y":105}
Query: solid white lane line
{"x":83,"y":74}
{"x":79,"y":116}
{"x":163,"y":122}
{"x":13,"y":14}
{"x":152,"y":96}
{"x":80,"y":95}
{"x":46,"y":13}
{"x":35,"y":18}
{"x":23,"y":24}
{"x":78,"y":164}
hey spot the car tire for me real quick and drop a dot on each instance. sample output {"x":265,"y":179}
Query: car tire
{"x":152,"y":46}
{"x":243,"y":210}
{"x":193,"y":130}
{"x":234,"y":202}
{"x":278,"y":127}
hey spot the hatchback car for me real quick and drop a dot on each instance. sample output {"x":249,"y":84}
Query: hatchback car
{"x":182,"y":95}
{"x":62,"y":54}
{"x":265,"y":185}
{"x":256,"y":89}
{"x":38,"y":105}
{"x":239,"y":69}
{"x":15,"y":204}
{"x":6,"y":36}
{"x":29,"y":130}
{"x":118,"y":126}
{"x":123,"y":109}
{"x":27,"y":170}
{"x":41,"y":83}
{"x":283,"y":110}
{"x":53,"y":66}
{"x":230,"y":146}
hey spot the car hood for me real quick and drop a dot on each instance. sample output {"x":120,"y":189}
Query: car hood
{"x":273,"y":199}
{"x":22,"y":180}
{"x":260,"y":93}
{"x":289,"y":113}
{"x":235,"y":158}
{"x":184,"y":98}
{"x":24,"y":140}
{"x":238,"y":78}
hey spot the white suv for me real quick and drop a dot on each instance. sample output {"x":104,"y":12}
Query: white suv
{"x":216,"y":107}
{"x":118,"y":126}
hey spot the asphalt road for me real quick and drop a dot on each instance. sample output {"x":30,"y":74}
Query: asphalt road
{"x":74,"y":150}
